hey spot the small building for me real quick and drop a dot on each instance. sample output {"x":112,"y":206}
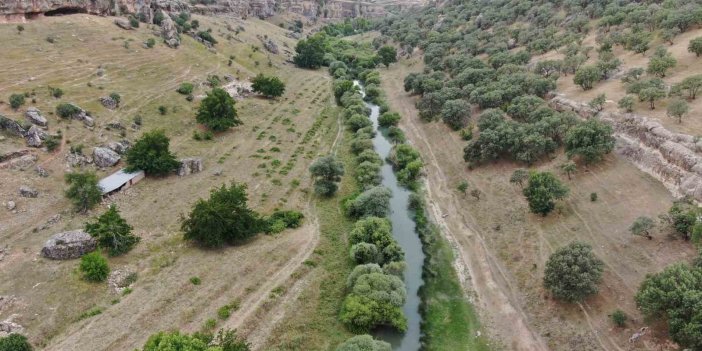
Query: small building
{"x":118,"y":181}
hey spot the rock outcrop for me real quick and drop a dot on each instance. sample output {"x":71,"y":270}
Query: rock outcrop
{"x":121,"y":279}
{"x":109,"y":102}
{"x":170,"y":33}
{"x":123,"y":23}
{"x":26,"y":191}
{"x":82,"y":115}
{"x":675,"y":159}
{"x":105,"y":157}
{"x":34,"y":116}
{"x":35,"y":137}
{"x":119,"y":147}
{"x":189,"y":166}
{"x":12,"y":126}
{"x":68,"y":245}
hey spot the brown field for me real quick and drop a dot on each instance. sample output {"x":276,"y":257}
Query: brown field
{"x":503,"y":248}
{"x":262,"y":274}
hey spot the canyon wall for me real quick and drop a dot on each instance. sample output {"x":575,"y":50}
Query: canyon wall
{"x":674,"y":159}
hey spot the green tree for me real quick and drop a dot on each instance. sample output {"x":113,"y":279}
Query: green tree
{"x":326,"y":171}
{"x":541,"y":191}
{"x":363,"y":343}
{"x":19,"y":342}
{"x":151,"y":154}
{"x":590,"y":140}
{"x":626,"y":103}
{"x":598,"y":102}
{"x":374,"y":202}
{"x":375,"y":299}
{"x":587,"y":76}
{"x":642,"y":226}
{"x":651,"y":94}
{"x":224,"y":218}
{"x":217,"y":111}
{"x":83,"y":190}
{"x":268,"y":86}
{"x":569,"y":168}
{"x":692,"y":84}
{"x":677,"y":109}
{"x":573,"y":272}
{"x":387,"y":55}
{"x":661,"y":62}
{"x":310,"y":52}
{"x":388,"y":119}
{"x":674,"y":296}
{"x":695,"y":46}
{"x":112,"y":232}
{"x":456,"y":113}
{"x":16,"y":100}
{"x":94,"y":267}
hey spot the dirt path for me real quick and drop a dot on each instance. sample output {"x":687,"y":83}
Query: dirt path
{"x":485,"y":277}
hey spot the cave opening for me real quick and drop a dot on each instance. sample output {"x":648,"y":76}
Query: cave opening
{"x":61,"y":11}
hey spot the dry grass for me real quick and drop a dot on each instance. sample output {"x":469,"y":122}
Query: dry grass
{"x":51,"y":295}
{"x":504,"y":247}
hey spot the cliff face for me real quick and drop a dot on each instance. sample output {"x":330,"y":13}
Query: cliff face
{"x":21,"y":9}
{"x":674,"y":159}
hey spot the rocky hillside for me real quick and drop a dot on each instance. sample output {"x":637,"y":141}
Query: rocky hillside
{"x":19,"y":10}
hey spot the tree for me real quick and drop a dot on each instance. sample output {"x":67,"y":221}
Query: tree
{"x":19,"y":342}
{"x":677,"y":108}
{"x":268,"y":86}
{"x":363,"y":253}
{"x":456,"y":113}
{"x":388,"y":119}
{"x":573,"y":272}
{"x":225,"y":340}
{"x":674,"y":296}
{"x":586,"y":76}
{"x":626,"y":103}
{"x":217,"y":111}
{"x":16,"y":100}
{"x":112,"y":232}
{"x":326,"y":171}
{"x":375,"y":299}
{"x":224,"y":218}
{"x":692,"y":84}
{"x":94,"y":267}
{"x":463,"y":187}
{"x":20,"y":29}
{"x":363,"y":343}
{"x":569,"y":168}
{"x":83,"y":190}
{"x":651,"y":94}
{"x":590,"y":140}
{"x":541,"y":191}
{"x":598,"y":102}
{"x":519,"y":176}
{"x":310,"y":52}
{"x":387,"y":55}
{"x":642,"y":227}
{"x":660,"y":62}
{"x":151,"y":154}
{"x":695,"y":46}
{"x":374,"y":202}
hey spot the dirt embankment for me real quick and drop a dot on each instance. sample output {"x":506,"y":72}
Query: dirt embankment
{"x":674,"y":159}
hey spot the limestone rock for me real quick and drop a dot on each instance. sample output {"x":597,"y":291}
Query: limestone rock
{"x":20,"y":163}
{"x":119,"y":147}
{"x":34,"y":116}
{"x":271,"y":47}
{"x":35,"y":137}
{"x":41,"y":171}
{"x":123,"y":23}
{"x":122,"y":278}
{"x":9,"y":327}
{"x":105,"y":157}
{"x":108,"y":102}
{"x":170,"y":33}
{"x":189,"y":166}
{"x":26,"y":191}
{"x":83,"y":116}
{"x":10,"y":205}
{"x":14,"y":154}
{"x":77,"y":160}
{"x":12,"y":126}
{"x":68,"y":245}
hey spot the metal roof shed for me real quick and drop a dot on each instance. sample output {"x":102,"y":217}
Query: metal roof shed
{"x":119,"y":180}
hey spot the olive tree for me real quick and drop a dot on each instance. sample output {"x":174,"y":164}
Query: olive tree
{"x":326,"y":171}
{"x":372,"y":202}
{"x":455,"y":113}
{"x":677,"y":109}
{"x":542,"y":190}
{"x":587,"y":76}
{"x":642,"y":227}
{"x":695,"y":46}
{"x":217,"y":111}
{"x":590,"y":140}
{"x":573,"y":272}
{"x":660,"y":62}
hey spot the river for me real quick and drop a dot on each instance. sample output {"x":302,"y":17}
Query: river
{"x":403,"y":230}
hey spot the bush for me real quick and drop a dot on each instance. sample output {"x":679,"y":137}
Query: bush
{"x":224,"y":340}
{"x":207,"y":36}
{"x":162,"y":110}
{"x":116,"y":97}
{"x":133,"y":22}
{"x":268,"y":86}
{"x":16,"y":100}
{"x":67,"y":110}
{"x":151,"y":154}
{"x":112,"y":232}
{"x":363,"y":253}
{"x":280,"y":220}
{"x":83,"y":190}
{"x":224,"y":218}
{"x":363,"y":343}
{"x":375,"y":299}
{"x":217,"y":111}
{"x":94,"y":267}
{"x":195,"y":280}
{"x":619,"y":318}
{"x":185,"y":88}
{"x":372,"y":202}
{"x":388,"y":119}
{"x":573,"y":272}
{"x":150,"y":43}
{"x":15,"y":342}
{"x":326,"y":171}
{"x":56,"y":92}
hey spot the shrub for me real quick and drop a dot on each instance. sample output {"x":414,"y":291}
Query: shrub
{"x":619,"y":318}
{"x":133,"y":22}
{"x":217,"y":111}
{"x":224,"y":340}
{"x":150,"y":43}
{"x":56,"y":92}
{"x":15,"y":342}
{"x":363,"y":343}
{"x":326,"y":171}
{"x":94,"y":267}
{"x":388,"y":119}
{"x":116,"y":97}
{"x":224,"y":312}
{"x":224,"y":218}
{"x":185,"y":88}
{"x":695,"y":46}
{"x":206,"y":36}
{"x":112,"y":232}
{"x":152,"y":155}
{"x":268,"y":86}
{"x":162,"y":110}
{"x":375,"y":299}
{"x":363,"y":253}
{"x":83,"y":190}
{"x":16,"y":100}
{"x":280,"y":220}
{"x":67,"y":110}
{"x":573,"y":272}
{"x":626,"y":103}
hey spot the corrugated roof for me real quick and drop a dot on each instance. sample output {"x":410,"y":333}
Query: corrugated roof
{"x":116,"y":180}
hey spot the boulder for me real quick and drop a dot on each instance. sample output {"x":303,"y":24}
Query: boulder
{"x":10,"y":205}
{"x":108,"y":102}
{"x":169,"y":32}
{"x":34,"y":116}
{"x":20,"y":163}
{"x":12,"y":126}
{"x":105,"y":157}
{"x":271,"y":47}
{"x":119,"y":147}
{"x":115,"y":125}
{"x":77,"y":160}
{"x":189,"y":166}
{"x":9,"y":327}
{"x":123,"y":23}
{"x":68,"y":245}
{"x":83,"y":116}
{"x":41,"y":171}
{"x":26,"y":191}
{"x":35,"y":137}
{"x":14,"y":154}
